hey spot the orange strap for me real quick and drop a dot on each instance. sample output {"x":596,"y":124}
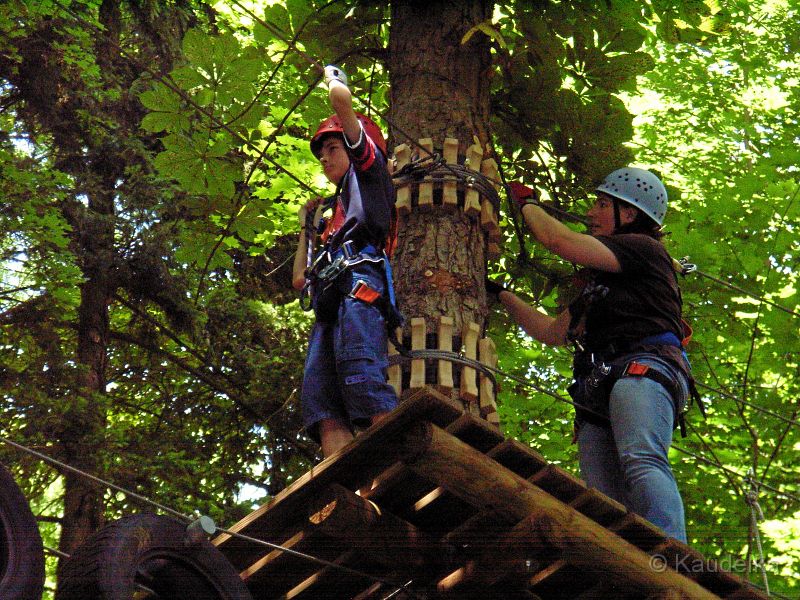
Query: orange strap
{"x":334,"y":223}
{"x":687,"y":333}
{"x":363,"y":292}
{"x":635,"y":368}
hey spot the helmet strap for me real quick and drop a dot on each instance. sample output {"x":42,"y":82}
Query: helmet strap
{"x":617,"y":220}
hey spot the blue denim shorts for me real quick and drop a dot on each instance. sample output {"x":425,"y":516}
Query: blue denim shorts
{"x":345,"y":372}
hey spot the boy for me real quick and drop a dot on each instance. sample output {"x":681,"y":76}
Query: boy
{"x":344,"y":382}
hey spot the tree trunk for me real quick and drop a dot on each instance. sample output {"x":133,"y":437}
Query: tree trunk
{"x":439,"y":89}
{"x":85,"y":423}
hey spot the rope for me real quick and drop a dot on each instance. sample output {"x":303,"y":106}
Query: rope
{"x":437,"y":170}
{"x":756,"y":516}
{"x":407,"y":356}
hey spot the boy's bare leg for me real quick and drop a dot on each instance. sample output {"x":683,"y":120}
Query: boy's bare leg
{"x":334,"y":435}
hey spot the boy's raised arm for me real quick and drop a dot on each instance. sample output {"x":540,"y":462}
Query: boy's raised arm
{"x":342,"y":102}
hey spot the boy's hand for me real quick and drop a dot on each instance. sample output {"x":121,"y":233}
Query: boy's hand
{"x":334,"y":73}
{"x":310,"y":207}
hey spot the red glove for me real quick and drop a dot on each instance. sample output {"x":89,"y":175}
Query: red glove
{"x":522,"y":194}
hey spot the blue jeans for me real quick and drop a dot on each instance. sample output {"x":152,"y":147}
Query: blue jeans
{"x":345,"y":372}
{"x":629,"y":462}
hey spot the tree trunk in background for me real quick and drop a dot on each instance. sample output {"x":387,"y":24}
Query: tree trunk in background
{"x":85,"y":424}
{"x":439,"y":89}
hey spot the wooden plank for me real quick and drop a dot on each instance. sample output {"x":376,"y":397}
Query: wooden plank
{"x":638,"y":531}
{"x":425,"y":195}
{"x":469,"y":388}
{"x":450,"y":186}
{"x":488,"y":356}
{"x":477,"y":479}
{"x":598,"y":507}
{"x":395,"y":372}
{"x":472,"y":205}
{"x":475,"y":432}
{"x":445,"y":367}
{"x":279,"y":571}
{"x":518,"y":458}
{"x":402,"y":155}
{"x":417,"y":343}
{"x":559,"y":483}
{"x":328,"y":582}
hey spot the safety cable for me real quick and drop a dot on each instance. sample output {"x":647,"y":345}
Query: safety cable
{"x":756,"y":516}
{"x":180,"y":516}
{"x":749,"y":404}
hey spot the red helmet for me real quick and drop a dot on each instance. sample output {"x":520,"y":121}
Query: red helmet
{"x":333,"y":125}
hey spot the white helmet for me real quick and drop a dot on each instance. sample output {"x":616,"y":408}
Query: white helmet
{"x":640,"y":188}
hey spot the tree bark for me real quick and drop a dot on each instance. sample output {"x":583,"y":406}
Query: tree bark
{"x":439,"y":88}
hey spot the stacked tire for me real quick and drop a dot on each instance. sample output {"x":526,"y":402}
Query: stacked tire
{"x":147,"y":552}
{"x":21,"y":552}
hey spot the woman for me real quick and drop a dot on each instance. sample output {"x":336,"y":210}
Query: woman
{"x":631,"y":375}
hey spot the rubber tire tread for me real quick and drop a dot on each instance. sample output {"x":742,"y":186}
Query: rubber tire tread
{"x":22,"y":559}
{"x":105,"y":566}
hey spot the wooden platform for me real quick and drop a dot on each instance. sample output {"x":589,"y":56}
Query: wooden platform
{"x":449,"y":505}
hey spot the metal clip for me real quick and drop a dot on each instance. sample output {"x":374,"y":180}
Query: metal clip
{"x":686,"y":266}
{"x":199,"y":530}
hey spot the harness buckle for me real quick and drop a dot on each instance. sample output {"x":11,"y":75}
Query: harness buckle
{"x":362,"y":291}
{"x":635,"y":369}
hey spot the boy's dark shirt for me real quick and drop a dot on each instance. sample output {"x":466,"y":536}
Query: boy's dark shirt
{"x":367,"y":198}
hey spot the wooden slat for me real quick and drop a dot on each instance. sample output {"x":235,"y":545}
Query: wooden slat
{"x":450,"y":186}
{"x":558,"y":482}
{"x":488,"y":213}
{"x":402,"y":155}
{"x":475,"y":432}
{"x":445,"y":367}
{"x":518,"y":458}
{"x":598,"y":507}
{"x":472,"y":204}
{"x":417,"y":343}
{"x":425,"y":195}
{"x":469,"y":388}
{"x":488,"y":356}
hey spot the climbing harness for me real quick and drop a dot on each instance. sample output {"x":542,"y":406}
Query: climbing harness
{"x":333,"y":275}
{"x":596,"y":372}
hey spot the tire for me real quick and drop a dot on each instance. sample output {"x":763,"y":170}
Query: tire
{"x":148,"y":550}
{"x":21,"y":552}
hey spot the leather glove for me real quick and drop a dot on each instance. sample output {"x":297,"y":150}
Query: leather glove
{"x":493,"y":288}
{"x":334,"y":73}
{"x":522,"y":194}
